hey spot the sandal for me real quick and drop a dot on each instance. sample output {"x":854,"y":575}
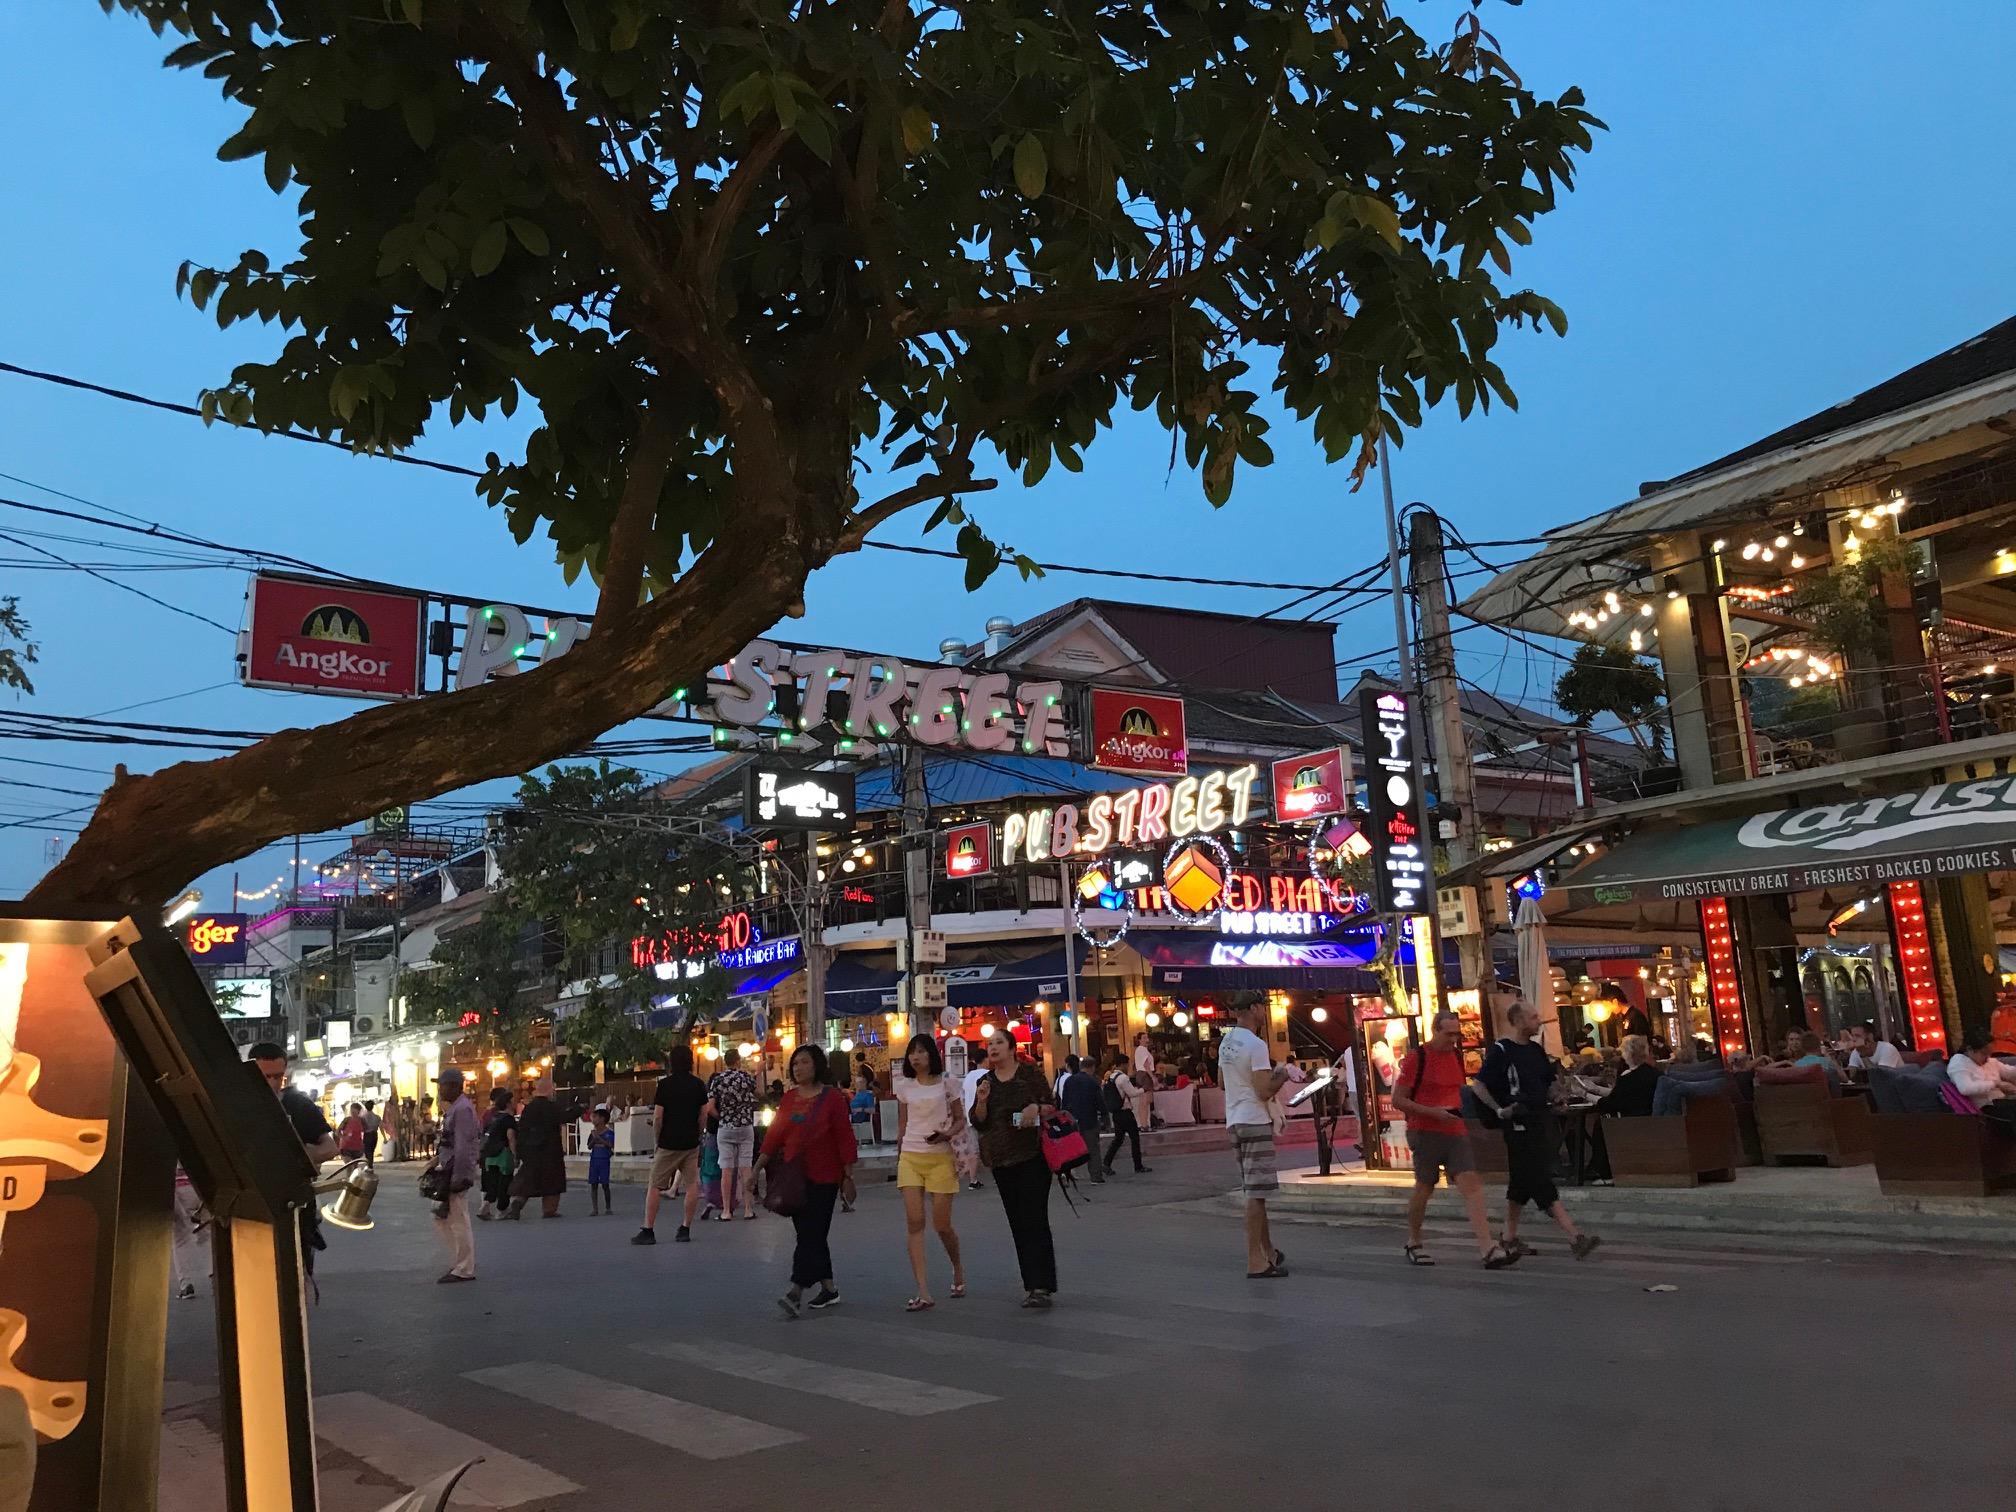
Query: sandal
{"x":1499,"y":1258}
{"x":919,"y":1304}
{"x":958,"y":1290}
{"x":1418,"y":1255}
{"x":1273,"y":1272}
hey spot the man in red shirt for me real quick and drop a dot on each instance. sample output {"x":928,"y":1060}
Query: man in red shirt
{"x":1429,"y":1094}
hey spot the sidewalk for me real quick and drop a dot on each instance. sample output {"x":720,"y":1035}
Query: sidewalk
{"x":1800,"y":1203}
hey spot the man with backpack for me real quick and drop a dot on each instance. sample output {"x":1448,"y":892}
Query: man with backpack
{"x":1429,"y":1095}
{"x":1118,"y":1095}
{"x":1078,"y":1095}
{"x":1515,"y":1087}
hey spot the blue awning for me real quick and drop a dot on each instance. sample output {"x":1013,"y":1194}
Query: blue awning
{"x":859,"y":986}
{"x":991,"y":778}
{"x":1009,"y":975}
{"x":1181,"y":961}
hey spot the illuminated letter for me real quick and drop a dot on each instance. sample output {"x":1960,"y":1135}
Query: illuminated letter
{"x":1064,"y":830}
{"x":1211,"y":803}
{"x":1098,"y":824}
{"x":1040,"y":737}
{"x":1126,"y":808}
{"x":1013,"y":829}
{"x":491,"y":642}
{"x":1039,"y":834}
{"x":935,"y":709}
{"x":990,"y":717}
{"x":1154,"y":806}
{"x":748,"y":701}
{"x":819,"y":671}
{"x":1183,"y":808}
{"x":871,"y":707}
{"x":1241,"y":782}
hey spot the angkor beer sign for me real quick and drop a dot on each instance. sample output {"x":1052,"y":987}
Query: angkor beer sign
{"x":1142,"y":733}
{"x":1947,"y":830}
{"x":1306,"y":787}
{"x":324,"y":637}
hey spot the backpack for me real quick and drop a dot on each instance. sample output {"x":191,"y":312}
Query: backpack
{"x":1063,"y":1146}
{"x":1109,"y":1095}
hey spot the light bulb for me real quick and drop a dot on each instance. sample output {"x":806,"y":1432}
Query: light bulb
{"x":1180,"y":1019}
{"x":1153,"y":1021}
{"x":1319,"y":1014}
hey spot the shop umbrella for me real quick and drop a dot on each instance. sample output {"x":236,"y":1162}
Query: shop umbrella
{"x":1536,"y":978}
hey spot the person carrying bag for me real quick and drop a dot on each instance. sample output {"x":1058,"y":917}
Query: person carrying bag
{"x":809,"y":1156}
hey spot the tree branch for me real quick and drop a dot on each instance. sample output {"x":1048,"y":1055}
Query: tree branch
{"x":720,"y":220}
{"x":863,"y":521}
{"x":636,"y":512}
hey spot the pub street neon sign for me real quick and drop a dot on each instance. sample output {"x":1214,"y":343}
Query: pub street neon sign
{"x":1160,"y":811}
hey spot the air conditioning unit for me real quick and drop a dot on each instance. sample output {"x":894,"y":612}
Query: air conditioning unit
{"x":364,"y":1023}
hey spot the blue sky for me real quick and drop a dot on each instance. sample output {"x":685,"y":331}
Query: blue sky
{"x":1790,"y":204}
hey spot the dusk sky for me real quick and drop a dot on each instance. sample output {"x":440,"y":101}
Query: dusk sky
{"x":1793,"y":201}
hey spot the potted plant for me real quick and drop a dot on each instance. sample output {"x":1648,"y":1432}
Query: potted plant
{"x":1844,"y":608}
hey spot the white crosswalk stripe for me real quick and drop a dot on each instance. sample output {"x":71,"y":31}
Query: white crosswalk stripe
{"x":688,"y":1427}
{"x":1146,"y":1333}
{"x":864,"y":1388}
{"x":926,"y":1339}
{"x":408,"y":1447}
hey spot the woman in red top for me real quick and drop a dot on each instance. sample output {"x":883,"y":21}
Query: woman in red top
{"x":350,"y":1134}
{"x":811,"y":1127}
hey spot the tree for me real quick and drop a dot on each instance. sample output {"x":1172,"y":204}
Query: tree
{"x":740,"y":256}
{"x":478,"y":969}
{"x":606,"y":1031}
{"x":21,"y":654}
{"x":1608,"y":679}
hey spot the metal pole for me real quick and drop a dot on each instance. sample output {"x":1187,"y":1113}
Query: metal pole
{"x":815,"y":947}
{"x":1070,"y":958}
{"x":916,"y":877}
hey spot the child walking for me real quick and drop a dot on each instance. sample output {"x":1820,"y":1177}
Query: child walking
{"x":601,"y":1146}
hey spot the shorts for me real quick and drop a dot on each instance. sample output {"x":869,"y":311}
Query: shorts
{"x":1529,"y":1161}
{"x":669,"y":1163}
{"x":737,"y":1146}
{"x":932,"y":1170}
{"x":1254,"y":1145}
{"x":1436,"y":1151}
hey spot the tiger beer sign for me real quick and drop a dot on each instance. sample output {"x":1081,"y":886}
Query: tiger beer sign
{"x":1141,"y":733}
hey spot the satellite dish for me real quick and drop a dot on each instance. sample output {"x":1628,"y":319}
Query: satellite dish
{"x":948,"y":1018}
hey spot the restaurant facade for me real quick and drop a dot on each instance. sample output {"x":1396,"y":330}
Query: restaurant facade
{"x":1831,"y":617}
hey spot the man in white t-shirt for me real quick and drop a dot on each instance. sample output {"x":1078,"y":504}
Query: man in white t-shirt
{"x":1144,"y":1082}
{"x":1251,"y":1080}
{"x":1866,"y":1050}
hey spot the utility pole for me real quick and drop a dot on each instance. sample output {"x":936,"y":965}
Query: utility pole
{"x":1455,"y":782}
{"x":916,"y":877}
{"x":814,"y":926}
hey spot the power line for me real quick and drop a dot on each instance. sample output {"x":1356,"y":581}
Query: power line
{"x":122,"y":587}
{"x":1112,"y":572}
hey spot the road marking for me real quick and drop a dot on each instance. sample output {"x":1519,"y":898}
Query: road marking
{"x":686,"y":1426}
{"x":1142,"y":1331}
{"x":935,"y":1341}
{"x":410,"y":1448}
{"x":864,"y":1388}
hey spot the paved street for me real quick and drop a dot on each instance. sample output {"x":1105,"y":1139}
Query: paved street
{"x":591,"y":1374}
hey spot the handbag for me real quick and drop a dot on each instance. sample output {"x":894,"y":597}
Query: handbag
{"x":784,"y":1188}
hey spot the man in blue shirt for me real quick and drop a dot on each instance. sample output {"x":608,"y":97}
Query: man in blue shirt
{"x":1516,"y":1085}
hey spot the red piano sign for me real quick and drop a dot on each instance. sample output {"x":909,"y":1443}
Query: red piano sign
{"x":330,"y":638}
{"x":1308,"y":786}
{"x":1143,"y":733}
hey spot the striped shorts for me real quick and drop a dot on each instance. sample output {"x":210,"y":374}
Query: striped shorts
{"x":1254,"y":1145}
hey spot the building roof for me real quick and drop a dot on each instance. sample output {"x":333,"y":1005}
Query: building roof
{"x":1862,"y":439}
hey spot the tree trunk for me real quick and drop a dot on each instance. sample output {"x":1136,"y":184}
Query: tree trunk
{"x":151,"y":835}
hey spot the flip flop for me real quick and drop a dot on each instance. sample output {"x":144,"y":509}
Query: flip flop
{"x":1418,"y":1255}
{"x":1273,"y":1272}
{"x":958,"y":1289}
{"x":919,"y":1304}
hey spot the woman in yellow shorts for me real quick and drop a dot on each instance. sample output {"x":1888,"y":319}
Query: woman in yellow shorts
{"x":929,"y":1115}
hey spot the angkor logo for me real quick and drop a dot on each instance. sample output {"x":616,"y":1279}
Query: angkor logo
{"x":334,"y":622}
{"x":1307,"y":777}
{"x":1138,"y":721}
{"x":966,"y":847}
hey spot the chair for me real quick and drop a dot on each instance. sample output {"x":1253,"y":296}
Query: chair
{"x":1700,"y":1143}
{"x":1800,"y":1119}
{"x":1942,"y":1155}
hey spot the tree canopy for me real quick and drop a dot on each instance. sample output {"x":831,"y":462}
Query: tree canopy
{"x":740,"y":258}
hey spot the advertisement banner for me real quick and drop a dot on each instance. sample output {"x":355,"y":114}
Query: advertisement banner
{"x":1401,"y":879}
{"x":969,"y":851}
{"x":1308,"y":786}
{"x":1141,"y":733}
{"x":215,"y":939}
{"x":786,"y":798}
{"x":320,"y":637}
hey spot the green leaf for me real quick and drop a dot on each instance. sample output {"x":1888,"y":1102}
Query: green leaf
{"x":917,"y":128}
{"x":1032,"y":166}
{"x":489,"y":249}
{"x":1380,"y":216}
{"x":531,"y":235}
{"x":784,"y":99}
{"x":412,"y":10}
{"x":419,"y":114}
